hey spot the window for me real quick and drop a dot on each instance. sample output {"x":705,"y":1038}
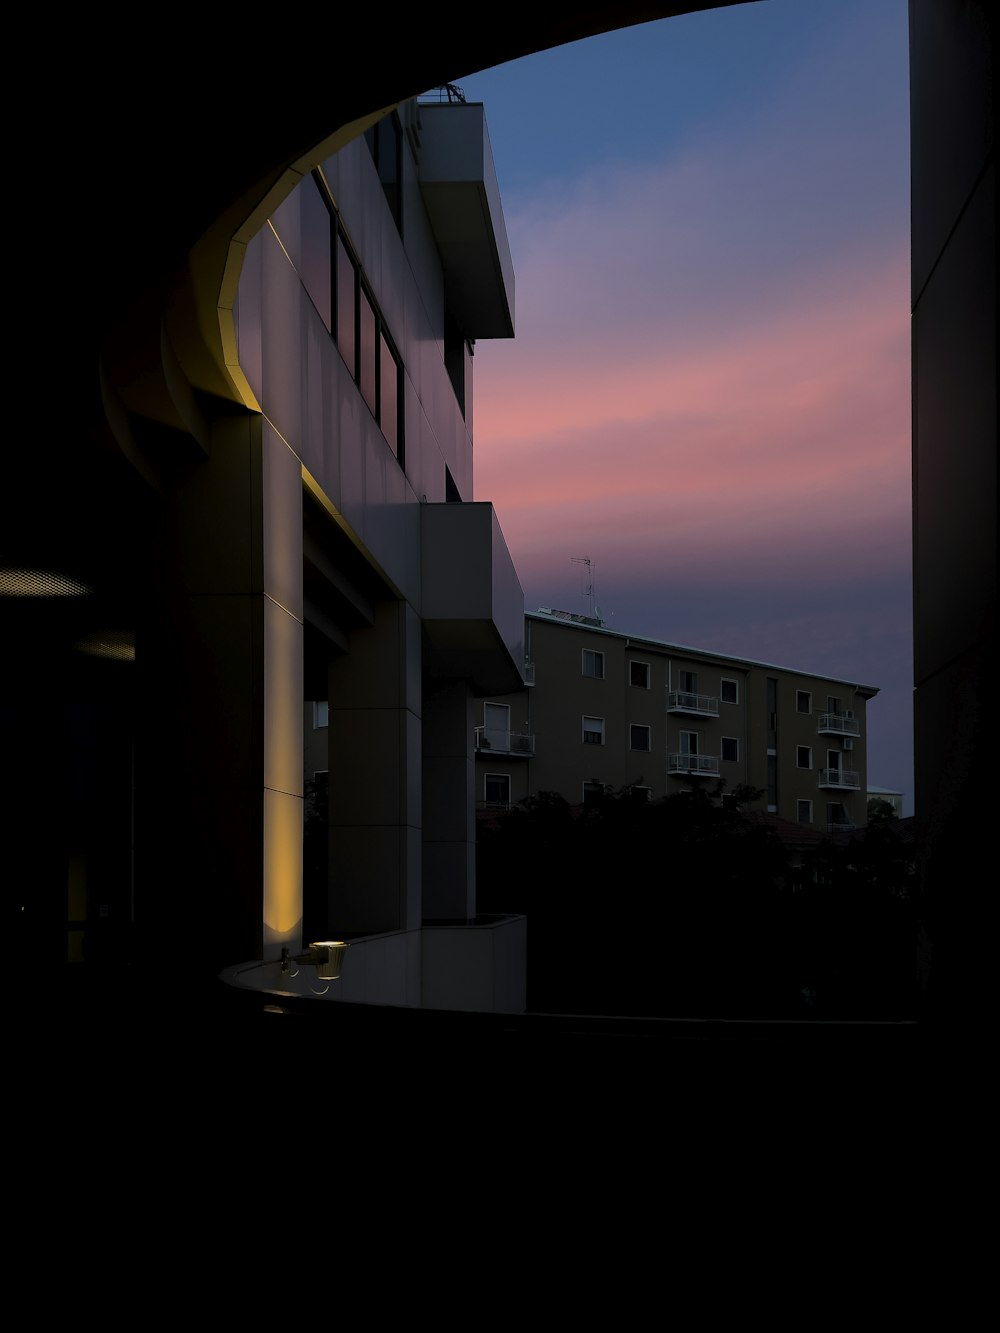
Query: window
{"x":456,"y":348}
{"x":804,"y":756}
{"x":730,"y":749}
{"x":836,"y":813}
{"x":593,"y":664}
{"x":367,"y":347}
{"x":366,"y":353}
{"x":805,"y":812}
{"x":388,"y":394}
{"x":593,"y":730}
{"x":321,"y":713}
{"x":832,"y":704}
{"x":729,"y":691}
{"x":497,"y":790}
{"x":638,"y":674}
{"x":592,"y":791}
{"x":803,"y":701}
{"x":495,"y":734}
{"x":689,"y":742}
{"x":347,"y":297}
{"x":638,"y":737}
{"x":689,"y":682}
{"x":643,"y":792}
{"x":772,"y":784}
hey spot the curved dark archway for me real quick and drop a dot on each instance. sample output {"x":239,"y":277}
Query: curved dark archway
{"x":169,"y":146}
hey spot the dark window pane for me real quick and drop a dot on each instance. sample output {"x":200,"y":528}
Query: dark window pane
{"x":389,"y":398}
{"x":346,"y":306}
{"x":366,"y":350}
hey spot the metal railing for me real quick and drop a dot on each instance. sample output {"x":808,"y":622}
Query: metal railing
{"x":682,"y":701}
{"x":840,"y":724}
{"x":839,"y":777}
{"x":504,"y":742}
{"x":698,"y":765}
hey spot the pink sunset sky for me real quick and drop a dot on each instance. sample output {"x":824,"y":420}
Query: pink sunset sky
{"x":708,"y":394}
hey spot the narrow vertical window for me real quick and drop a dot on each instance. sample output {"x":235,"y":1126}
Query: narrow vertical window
{"x":366,"y":352}
{"x":346,"y":306}
{"x":389,"y":398}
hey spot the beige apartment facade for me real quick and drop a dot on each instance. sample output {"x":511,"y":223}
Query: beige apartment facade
{"x":602,"y":709}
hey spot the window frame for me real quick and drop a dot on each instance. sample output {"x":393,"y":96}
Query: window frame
{"x":798,"y":811}
{"x":633,"y":727}
{"x":643,"y":684}
{"x":808,"y":750}
{"x":729,"y":680}
{"x":367,"y":378}
{"x":496,"y":777}
{"x":598,"y":657}
{"x":807,"y":696}
{"x":734,"y":758}
{"x":587,"y":717}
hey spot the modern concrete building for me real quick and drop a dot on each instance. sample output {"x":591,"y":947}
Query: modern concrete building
{"x":133,"y":481}
{"x":605,"y":709}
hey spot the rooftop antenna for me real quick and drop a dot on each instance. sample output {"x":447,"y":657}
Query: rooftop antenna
{"x":589,"y":589}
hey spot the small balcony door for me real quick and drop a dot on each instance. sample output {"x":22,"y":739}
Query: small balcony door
{"x":496,"y":726}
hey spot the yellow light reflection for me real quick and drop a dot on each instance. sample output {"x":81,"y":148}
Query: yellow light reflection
{"x":39,"y":583}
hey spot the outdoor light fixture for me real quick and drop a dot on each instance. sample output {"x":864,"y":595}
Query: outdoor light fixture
{"x":325,"y":956}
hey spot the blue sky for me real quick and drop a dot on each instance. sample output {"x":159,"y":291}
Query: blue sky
{"x":708,"y":394}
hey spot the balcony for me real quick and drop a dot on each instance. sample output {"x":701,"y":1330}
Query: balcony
{"x":839,"y":779}
{"x":458,"y":183}
{"x":695,"y":705}
{"x":494,"y":740}
{"x":693,"y":765}
{"x":471,"y":599}
{"x":838,"y":724}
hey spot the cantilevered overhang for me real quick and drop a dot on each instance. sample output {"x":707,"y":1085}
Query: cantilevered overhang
{"x":472,"y":603}
{"x":459,"y":186}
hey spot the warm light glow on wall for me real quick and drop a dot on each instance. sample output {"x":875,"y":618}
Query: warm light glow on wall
{"x":39,"y":583}
{"x":282,"y":872}
{"x":118,"y":645}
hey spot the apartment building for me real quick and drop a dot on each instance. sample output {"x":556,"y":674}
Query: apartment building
{"x":604,"y":709}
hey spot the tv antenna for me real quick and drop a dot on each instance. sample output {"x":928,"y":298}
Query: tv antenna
{"x":589,"y":588}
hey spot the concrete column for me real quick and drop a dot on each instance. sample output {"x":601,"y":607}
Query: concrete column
{"x":374,"y":783}
{"x":449,"y":767}
{"x":219,"y":783}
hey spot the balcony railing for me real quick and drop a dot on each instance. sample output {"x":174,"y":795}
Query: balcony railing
{"x":839,"y":778}
{"x":681,"y":701}
{"x":838,"y":724}
{"x":693,"y":765}
{"x":840,"y":826}
{"x":504,"y":742}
